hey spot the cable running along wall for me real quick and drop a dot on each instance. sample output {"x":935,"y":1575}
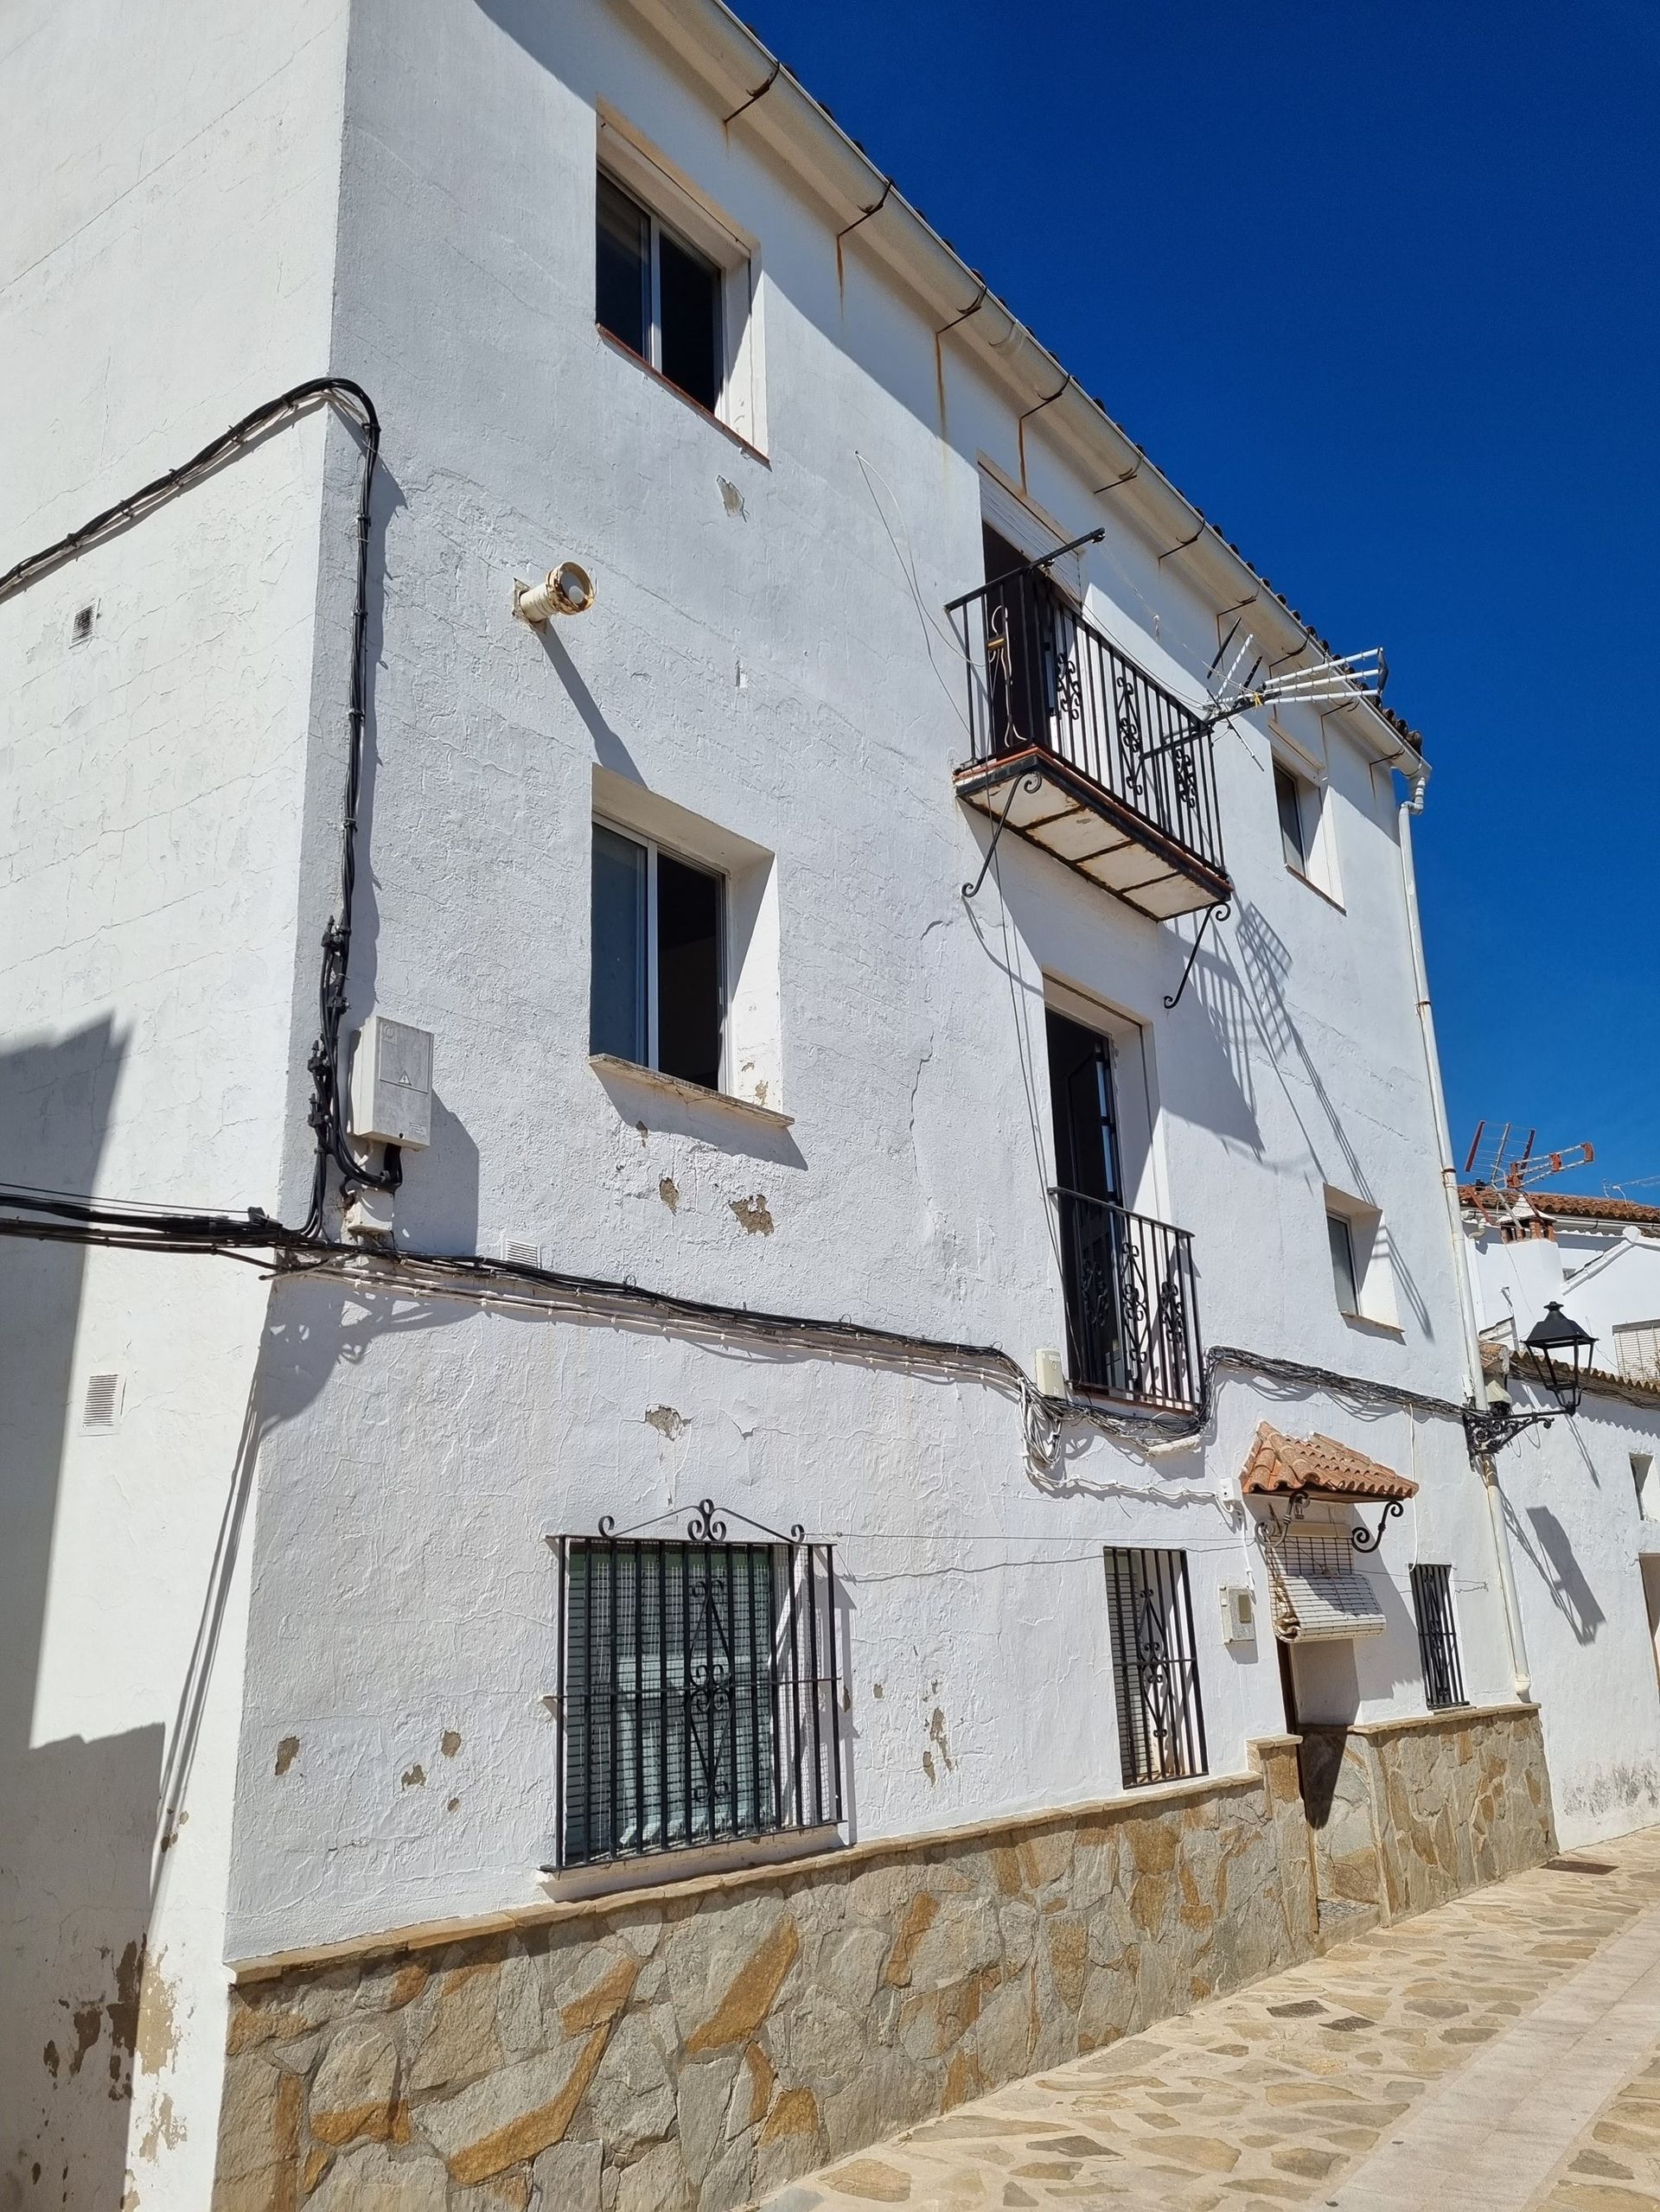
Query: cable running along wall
{"x":198,"y":1232}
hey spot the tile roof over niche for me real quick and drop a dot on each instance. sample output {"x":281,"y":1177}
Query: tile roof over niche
{"x":1317,"y":1466}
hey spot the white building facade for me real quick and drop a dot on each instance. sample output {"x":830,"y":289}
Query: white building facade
{"x":775,"y":1458}
{"x":1581,"y":1498}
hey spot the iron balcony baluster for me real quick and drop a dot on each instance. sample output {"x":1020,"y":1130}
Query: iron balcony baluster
{"x":1132,"y":1304}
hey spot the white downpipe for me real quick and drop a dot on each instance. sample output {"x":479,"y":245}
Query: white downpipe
{"x":1520,"y":1674}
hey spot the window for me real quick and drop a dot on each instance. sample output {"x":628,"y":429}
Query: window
{"x":1438,"y":1637}
{"x":1155,"y":1671}
{"x":658,"y":295}
{"x":656,"y":994}
{"x":1288,"y":798}
{"x":1363,"y":1273}
{"x":700,"y":1695}
{"x":1636,"y":1348}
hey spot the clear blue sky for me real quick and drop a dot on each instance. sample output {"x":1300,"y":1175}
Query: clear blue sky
{"x":1378,"y":284}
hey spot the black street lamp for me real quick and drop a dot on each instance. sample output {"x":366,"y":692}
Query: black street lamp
{"x":1563,"y":1349}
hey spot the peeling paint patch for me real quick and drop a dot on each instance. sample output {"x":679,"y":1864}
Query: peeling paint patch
{"x":449,"y":1742}
{"x":644,"y":1133}
{"x":669,"y":1191}
{"x":753,"y":1215}
{"x":937,"y":1741}
{"x":668,"y":1421}
{"x":454,"y":1805}
{"x":414,"y":1777}
{"x":89,"y":2025}
{"x":287,"y":1751}
{"x":51,"y":2060}
{"x":731,"y":498}
{"x":166,"y":2130}
{"x":877,"y":1689}
{"x":156,"y":2039}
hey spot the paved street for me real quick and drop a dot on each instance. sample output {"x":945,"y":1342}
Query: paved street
{"x":1501,"y":2052}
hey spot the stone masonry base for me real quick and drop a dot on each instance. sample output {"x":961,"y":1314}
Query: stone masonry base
{"x":685,"y":2048}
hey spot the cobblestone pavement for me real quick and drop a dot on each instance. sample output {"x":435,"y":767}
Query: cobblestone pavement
{"x":1501,"y":2052}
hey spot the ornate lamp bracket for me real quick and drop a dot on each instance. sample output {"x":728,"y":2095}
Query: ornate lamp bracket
{"x":1489,"y":1428}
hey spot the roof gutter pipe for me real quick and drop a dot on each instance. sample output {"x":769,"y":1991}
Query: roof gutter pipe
{"x":1486,"y":1465}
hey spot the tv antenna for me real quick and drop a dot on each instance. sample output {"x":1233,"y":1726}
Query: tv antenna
{"x":1497,"y":1168}
{"x":1332,"y":680}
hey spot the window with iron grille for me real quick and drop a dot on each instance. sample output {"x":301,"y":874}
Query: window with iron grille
{"x":1438,"y":1637}
{"x":699,"y":1691}
{"x":1155,"y":1668}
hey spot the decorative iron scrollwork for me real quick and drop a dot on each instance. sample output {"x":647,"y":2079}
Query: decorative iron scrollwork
{"x":1366,"y":1540}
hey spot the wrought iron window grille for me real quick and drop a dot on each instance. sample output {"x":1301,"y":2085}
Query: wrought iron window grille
{"x":1438,"y":1637}
{"x":1155,"y":1667}
{"x":1132,"y":1304}
{"x":699,"y":1691}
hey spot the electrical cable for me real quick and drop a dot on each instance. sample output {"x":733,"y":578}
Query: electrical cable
{"x":325,"y":1115}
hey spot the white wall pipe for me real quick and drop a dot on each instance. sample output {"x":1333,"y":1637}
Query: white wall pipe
{"x":1519,"y":1671}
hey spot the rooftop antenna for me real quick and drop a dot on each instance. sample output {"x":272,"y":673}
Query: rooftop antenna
{"x":1496,"y":1171}
{"x":1331,"y":680}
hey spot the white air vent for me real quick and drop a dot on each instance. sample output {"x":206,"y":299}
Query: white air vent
{"x":102,"y":1408}
{"x":392,"y":1084}
{"x":519,"y":1252}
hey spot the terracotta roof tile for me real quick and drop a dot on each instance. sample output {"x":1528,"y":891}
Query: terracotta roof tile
{"x":1320,"y":1465}
{"x":1568,"y":1205}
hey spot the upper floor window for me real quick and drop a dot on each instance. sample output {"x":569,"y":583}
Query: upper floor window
{"x":1305,"y":840}
{"x":1362,"y":1276}
{"x":658,"y":295}
{"x":656,"y":994}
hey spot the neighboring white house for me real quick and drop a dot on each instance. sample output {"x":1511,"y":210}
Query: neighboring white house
{"x":825,"y":1381}
{"x":1583,"y":1497}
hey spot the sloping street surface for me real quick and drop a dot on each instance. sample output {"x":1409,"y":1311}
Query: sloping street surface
{"x":1501,"y":2052}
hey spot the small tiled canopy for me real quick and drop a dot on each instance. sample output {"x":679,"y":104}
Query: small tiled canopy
{"x":1318,"y":1467}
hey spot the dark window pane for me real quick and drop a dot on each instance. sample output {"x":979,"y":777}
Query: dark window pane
{"x":623,"y":274}
{"x":1343,"y":1264}
{"x":1288,"y":799}
{"x":1081,"y":1097}
{"x":688,"y":972}
{"x":689,"y":310}
{"x":616,"y":1003}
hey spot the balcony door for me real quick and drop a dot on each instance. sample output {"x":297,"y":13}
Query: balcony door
{"x":1096,"y":1253}
{"x":1033,"y":680}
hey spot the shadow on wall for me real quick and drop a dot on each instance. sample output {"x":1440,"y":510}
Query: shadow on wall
{"x":77,"y":1816}
{"x":1550,"y":1554}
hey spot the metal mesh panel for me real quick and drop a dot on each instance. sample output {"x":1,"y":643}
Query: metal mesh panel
{"x":1155,"y":1671}
{"x":700,"y":1695}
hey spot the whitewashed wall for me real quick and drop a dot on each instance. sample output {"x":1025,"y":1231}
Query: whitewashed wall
{"x":756,"y":657}
{"x":169,"y":185}
{"x":1581,"y":1537}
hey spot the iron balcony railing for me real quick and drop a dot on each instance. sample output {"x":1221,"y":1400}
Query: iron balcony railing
{"x":1039,"y":676}
{"x":1132,"y":1304}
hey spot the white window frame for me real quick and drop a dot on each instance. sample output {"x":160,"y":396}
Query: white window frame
{"x":1319,"y":870}
{"x":652,"y":848}
{"x":674,"y":203}
{"x":1369,"y":1258}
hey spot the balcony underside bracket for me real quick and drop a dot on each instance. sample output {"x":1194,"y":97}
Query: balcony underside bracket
{"x":1032,"y":784}
{"x":1218,"y":913}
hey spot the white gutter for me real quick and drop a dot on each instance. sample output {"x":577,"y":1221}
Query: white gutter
{"x":757,"y":94}
{"x":1474,"y":1379}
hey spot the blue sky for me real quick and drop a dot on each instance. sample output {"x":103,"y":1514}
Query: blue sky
{"x":1378,"y":284}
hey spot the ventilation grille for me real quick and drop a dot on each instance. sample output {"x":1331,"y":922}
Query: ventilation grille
{"x":103,"y":1401}
{"x":519,"y":1252}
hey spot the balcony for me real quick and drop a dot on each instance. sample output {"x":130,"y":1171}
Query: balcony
{"x":1083,"y":753}
{"x":1132,"y":1305}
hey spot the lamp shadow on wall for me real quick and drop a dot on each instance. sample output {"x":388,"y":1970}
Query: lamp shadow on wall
{"x":77,"y":1813}
{"x":1550,"y":1554}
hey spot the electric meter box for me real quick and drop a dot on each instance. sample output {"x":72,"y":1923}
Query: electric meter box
{"x":390,"y":1092}
{"x":1238,"y":1614}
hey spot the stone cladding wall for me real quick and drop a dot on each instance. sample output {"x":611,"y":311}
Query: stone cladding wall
{"x":685,"y":2048}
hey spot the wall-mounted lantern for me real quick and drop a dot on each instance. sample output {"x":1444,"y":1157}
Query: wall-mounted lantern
{"x":1562,"y":1349}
